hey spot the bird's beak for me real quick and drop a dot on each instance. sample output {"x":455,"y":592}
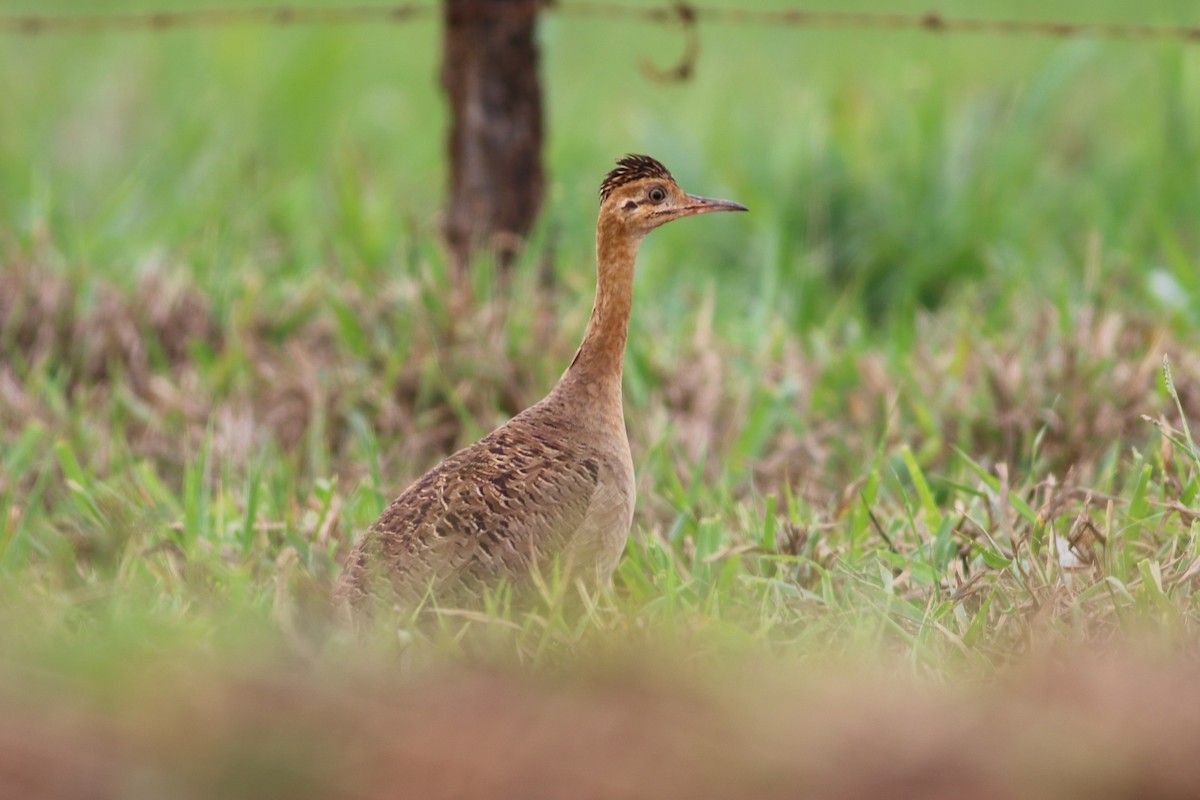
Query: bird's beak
{"x":703,"y":205}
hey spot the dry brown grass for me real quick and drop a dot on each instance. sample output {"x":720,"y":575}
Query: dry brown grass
{"x":1080,"y":385}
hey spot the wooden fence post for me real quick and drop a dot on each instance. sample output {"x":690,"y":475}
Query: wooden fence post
{"x":490,"y":76}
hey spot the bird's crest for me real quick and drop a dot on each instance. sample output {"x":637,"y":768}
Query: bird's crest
{"x":633,"y":168}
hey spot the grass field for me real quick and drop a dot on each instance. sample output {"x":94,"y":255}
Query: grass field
{"x":911,"y":412}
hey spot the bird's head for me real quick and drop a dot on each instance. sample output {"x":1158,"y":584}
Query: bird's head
{"x":640,"y":195}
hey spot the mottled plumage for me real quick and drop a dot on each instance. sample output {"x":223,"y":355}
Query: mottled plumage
{"x":506,"y":505}
{"x":552,"y":489}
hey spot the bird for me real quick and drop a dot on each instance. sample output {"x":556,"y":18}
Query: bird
{"x":552,"y":488}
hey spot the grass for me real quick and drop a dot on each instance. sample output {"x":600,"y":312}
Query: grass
{"x":915,"y":405}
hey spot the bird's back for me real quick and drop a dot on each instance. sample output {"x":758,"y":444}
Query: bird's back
{"x":534,"y":491}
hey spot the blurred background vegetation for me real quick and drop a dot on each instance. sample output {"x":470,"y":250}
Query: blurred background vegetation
{"x":886,"y":168}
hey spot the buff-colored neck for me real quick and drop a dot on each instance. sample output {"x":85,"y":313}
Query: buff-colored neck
{"x":596,"y":370}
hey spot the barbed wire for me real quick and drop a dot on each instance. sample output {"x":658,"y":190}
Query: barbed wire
{"x":39,"y":24}
{"x":682,"y":13}
{"x":930,"y":21}
{"x":685,"y":12}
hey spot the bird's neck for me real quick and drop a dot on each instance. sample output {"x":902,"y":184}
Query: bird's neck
{"x":596,"y":370}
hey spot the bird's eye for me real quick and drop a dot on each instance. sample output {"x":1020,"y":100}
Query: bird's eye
{"x":657,"y":194}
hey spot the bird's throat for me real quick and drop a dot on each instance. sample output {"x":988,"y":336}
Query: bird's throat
{"x":597,"y":366}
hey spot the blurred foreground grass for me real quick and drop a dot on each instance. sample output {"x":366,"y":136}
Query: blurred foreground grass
{"x":897,"y":409}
